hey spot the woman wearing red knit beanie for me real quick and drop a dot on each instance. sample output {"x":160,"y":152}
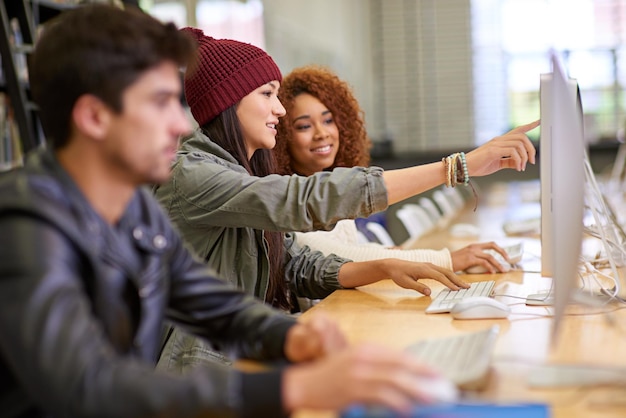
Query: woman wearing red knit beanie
{"x":237,"y":215}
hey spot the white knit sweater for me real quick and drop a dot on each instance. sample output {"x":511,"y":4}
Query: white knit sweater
{"x":343,"y":241}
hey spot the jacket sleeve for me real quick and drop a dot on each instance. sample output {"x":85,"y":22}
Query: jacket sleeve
{"x":62,"y":359}
{"x":311,"y":274}
{"x":208,"y":193}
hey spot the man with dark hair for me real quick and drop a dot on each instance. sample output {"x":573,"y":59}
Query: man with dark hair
{"x":90,"y":267}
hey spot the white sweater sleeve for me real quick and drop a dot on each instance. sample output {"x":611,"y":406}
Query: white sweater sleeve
{"x":343,"y":241}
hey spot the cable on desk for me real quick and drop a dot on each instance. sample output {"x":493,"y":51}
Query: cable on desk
{"x":612,"y":293}
{"x":549,"y":315}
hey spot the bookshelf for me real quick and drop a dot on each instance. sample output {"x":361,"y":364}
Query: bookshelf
{"x":20,"y":131}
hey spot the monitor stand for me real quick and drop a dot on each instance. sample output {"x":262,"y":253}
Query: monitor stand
{"x":585,"y":297}
{"x":540,"y":299}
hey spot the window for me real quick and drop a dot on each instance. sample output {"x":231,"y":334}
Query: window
{"x":512,"y":41}
{"x":222,"y":19}
{"x":227,"y":19}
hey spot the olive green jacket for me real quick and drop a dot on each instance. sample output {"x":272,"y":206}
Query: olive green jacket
{"x":221,"y":212}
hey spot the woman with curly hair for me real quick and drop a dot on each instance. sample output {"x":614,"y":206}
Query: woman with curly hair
{"x":323,"y":129}
{"x":312,"y":84}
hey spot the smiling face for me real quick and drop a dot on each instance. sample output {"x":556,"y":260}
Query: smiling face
{"x":142,"y":140}
{"x":314,"y":139}
{"x":258,"y":114}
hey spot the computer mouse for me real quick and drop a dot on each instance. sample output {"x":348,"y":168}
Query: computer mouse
{"x":463,"y":230}
{"x":514,"y":251}
{"x":439,"y":389}
{"x":481,"y":307}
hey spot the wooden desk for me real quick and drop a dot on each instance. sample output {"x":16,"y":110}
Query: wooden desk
{"x":386,"y":314}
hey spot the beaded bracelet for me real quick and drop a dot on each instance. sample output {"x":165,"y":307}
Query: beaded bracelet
{"x":455,"y":166}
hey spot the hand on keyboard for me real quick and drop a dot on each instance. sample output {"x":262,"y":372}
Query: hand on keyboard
{"x":407,"y":274}
{"x":463,"y":359}
{"x":487,"y":258}
{"x":367,"y":374}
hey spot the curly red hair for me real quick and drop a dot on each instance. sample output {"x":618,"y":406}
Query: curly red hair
{"x":337,"y":96}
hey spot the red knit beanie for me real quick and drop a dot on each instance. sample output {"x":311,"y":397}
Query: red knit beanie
{"x":225,"y":72}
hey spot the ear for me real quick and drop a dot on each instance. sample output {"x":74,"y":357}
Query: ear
{"x":91,"y":117}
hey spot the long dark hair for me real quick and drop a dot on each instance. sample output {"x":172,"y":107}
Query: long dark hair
{"x":225,"y":131}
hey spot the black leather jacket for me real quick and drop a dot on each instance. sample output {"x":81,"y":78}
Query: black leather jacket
{"x":82,"y":305}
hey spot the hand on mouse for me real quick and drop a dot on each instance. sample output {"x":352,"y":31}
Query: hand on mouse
{"x":368,"y":374}
{"x":475,"y":255}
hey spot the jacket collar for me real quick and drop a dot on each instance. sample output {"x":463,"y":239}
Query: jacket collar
{"x":65,"y":190}
{"x":198,"y":141}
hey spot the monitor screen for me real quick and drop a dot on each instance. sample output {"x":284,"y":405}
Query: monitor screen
{"x":562,"y":150}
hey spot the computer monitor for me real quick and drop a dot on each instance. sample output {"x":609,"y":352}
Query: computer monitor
{"x":562,"y":150}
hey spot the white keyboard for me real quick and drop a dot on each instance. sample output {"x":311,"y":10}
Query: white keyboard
{"x":465,"y":359}
{"x":445,"y":300}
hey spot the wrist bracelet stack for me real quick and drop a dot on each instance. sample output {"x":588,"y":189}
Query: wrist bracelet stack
{"x":456,"y":169}
{"x":455,"y":166}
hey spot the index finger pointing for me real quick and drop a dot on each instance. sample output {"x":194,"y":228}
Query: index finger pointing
{"x":528,"y":127}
